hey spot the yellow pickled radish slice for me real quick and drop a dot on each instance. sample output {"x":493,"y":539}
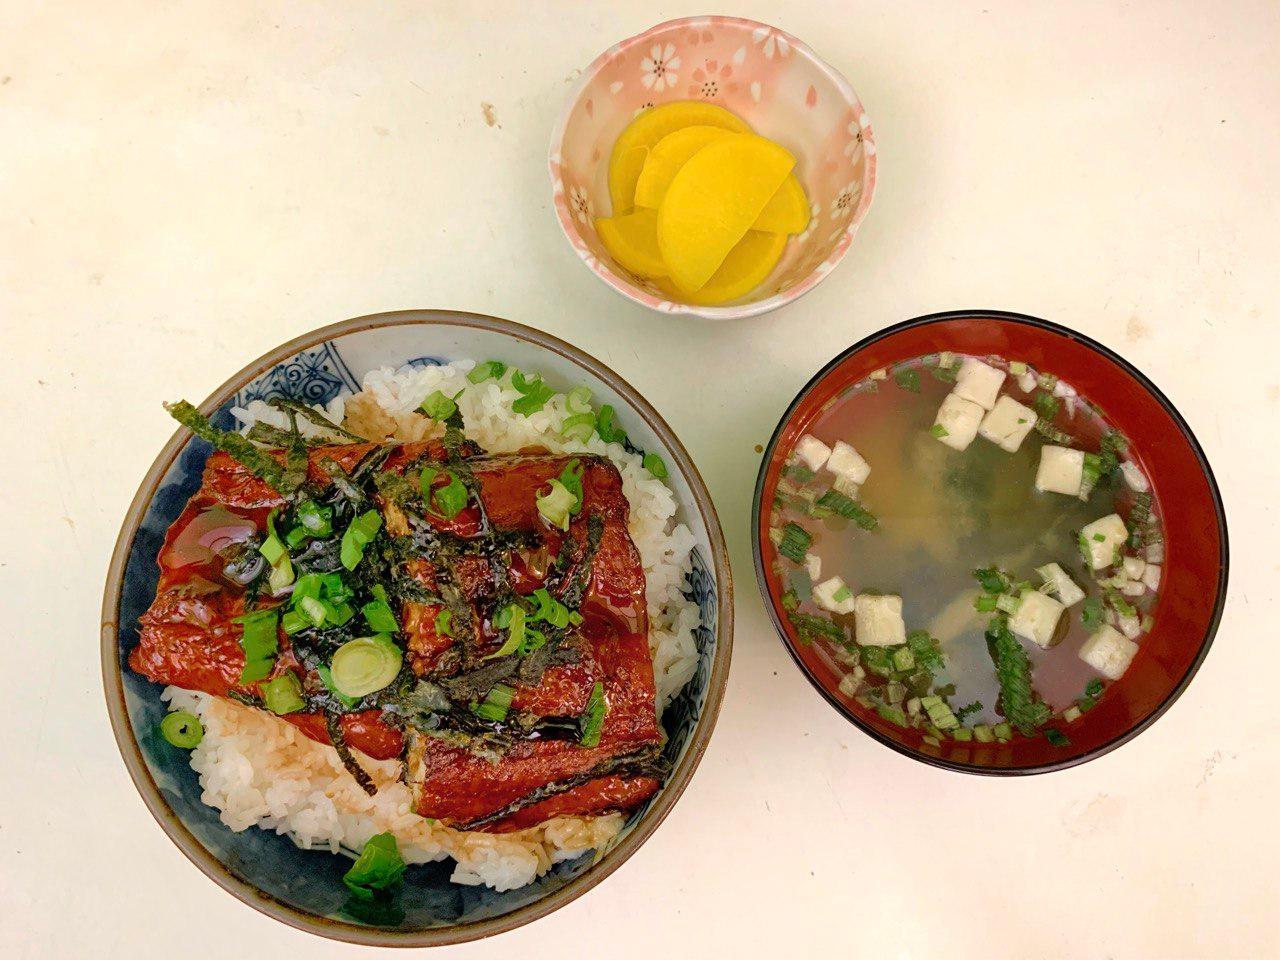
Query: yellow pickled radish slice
{"x":632,"y":240}
{"x":787,"y":210}
{"x":650,"y":127}
{"x":744,"y":269}
{"x":667,"y":157}
{"x":623,"y":174}
{"x":713,"y":201}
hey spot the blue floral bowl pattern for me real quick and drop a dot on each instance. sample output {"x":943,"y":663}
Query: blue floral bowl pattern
{"x":304,"y":888}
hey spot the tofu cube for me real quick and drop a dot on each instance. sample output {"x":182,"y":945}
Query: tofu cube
{"x":959,"y":418}
{"x":846,"y":486}
{"x":813,"y":566}
{"x":1101,"y":540}
{"x":1008,"y":424}
{"x":834,"y":595}
{"x":1133,"y":567}
{"x":1108,"y":652}
{"x":978,"y":382}
{"x":1151,"y":576}
{"x":1134,"y":477}
{"x":1061,"y":470}
{"x":813,"y":452}
{"x":878,"y":620}
{"x":1037,"y":618}
{"x":846,"y":462}
{"x":1066,"y":589}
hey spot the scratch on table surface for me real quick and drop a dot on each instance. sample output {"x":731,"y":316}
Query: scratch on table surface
{"x":1083,"y":819}
{"x":1212,"y":763}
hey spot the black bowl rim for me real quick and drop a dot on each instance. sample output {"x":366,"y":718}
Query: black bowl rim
{"x":1128,"y":368}
{"x":214,"y":869}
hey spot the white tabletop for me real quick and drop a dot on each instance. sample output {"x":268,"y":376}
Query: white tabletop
{"x":183,"y":186}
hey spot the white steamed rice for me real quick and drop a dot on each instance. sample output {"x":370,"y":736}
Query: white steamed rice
{"x":258,"y":770}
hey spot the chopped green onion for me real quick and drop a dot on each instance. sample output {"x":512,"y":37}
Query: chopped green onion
{"x":283,"y":694}
{"x":939,"y":431}
{"x":1091,"y":614}
{"x":593,"y":717}
{"x":451,"y":498}
{"x":795,"y":542}
{"x":1056,"y":737}
{"x":607,"y":427}
{"x":578,"y":426}
{"x":512,"y":619}
{"x":798,"y":472}
{"x":444,"y":623}
{"x":550,"y":610}
{"x":377,"y":613}
{"x":893,"y":714}
{"x":1008,"y":603}
{"x":495,"y":706}
{"x":1093,"y":688}
{"x":907,"y":379}
{"x":182,"y":729}
{"x":534,"y":393}
{"x":313,"y":610}
{"x":358,"y":535}
{"x":307,"y":585}
{"x":425,"y":478}
{"x":337,"y":613}
{"x":556,"y":504}
{"x":1017,"y":368}
{"x":810,"y":628}
{"x":315,"y":519}
{"x":985,"y":602}
{"x":844,"y":593}
{"x":365,"y":665}
{"x":945,"y":374}
{"x":878,"y":660}
{"x":1046,"y":404}
{"x":259,"y":641}
{"x":1121,"y":605}
{"x":578,"y":400}
{"x":293,"y":621}
{"x":1002,"y":731}
{"x":655,"y":465}
{"x":378,"y":867}
{"x":992,"y":580}
{"x":967,"y":710}
{"x":489,"y":370}
{"x":845,"y":506}
{"x":903,"y":659}
{"x":273,"y":548}
{"x":438,"y":406}
{"x":982,"y":733}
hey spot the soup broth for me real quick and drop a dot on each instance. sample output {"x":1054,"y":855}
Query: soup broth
{"x":960,"y":535}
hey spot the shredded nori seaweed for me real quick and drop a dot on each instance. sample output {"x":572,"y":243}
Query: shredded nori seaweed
{"x":334,"y":724}
{"x":261,"y":464}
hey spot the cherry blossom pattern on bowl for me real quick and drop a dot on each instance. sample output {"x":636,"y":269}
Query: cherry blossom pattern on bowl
{"x":771,"y":80}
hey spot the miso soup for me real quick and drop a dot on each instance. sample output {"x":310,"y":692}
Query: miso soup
{"x":973,"y":546}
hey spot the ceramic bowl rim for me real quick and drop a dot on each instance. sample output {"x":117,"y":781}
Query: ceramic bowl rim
{"x":671,"y":791}
{"x":740,"y":311}
{"x":1138,"y":377}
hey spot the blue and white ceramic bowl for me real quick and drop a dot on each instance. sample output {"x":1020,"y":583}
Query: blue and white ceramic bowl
{"x":267,"y":871}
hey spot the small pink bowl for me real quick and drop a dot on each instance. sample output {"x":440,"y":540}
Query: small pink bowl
{"x":768,"y":78}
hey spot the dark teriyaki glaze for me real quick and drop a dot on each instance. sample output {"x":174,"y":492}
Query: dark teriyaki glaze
{"x":446,"y":579}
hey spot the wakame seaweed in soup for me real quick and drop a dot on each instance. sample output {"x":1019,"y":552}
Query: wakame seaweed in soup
{"x":972,"y":544}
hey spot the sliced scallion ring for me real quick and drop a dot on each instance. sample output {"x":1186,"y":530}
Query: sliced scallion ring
{"x":364,"y":665}
{"x":283,"y":694}
{"x":556,"y":504}
{"x":182,"y":729}
{"x":578,"y":400}
{"x":579,"y":426}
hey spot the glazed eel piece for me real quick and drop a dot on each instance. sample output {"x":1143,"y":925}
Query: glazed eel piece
{"x":504,"y":777}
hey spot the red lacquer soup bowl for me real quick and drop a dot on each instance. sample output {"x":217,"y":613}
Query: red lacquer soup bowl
{"x":1193,"y":587}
